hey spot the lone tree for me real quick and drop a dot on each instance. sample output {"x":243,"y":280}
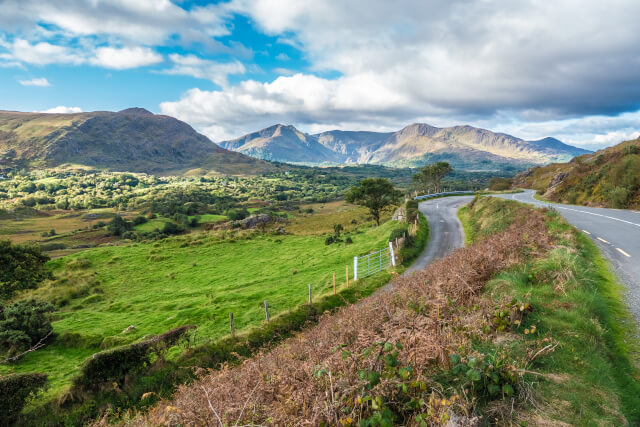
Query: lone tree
{"x":374,"y":193}
{"x":21,"y":267}
{"x":431,"y":175}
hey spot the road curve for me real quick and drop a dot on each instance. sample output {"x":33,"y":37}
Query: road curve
{"x":615,"y":231}
{"x":445,"y":231}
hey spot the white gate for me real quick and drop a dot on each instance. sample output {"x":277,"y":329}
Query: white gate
{"x":374,"y":262}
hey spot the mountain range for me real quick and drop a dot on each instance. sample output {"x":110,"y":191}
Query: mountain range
{"x":466,"y":147}
{"x":133,"y":140}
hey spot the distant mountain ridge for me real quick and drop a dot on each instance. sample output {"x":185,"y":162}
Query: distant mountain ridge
{"x":133,"y":140}
{"x":414,"y":145}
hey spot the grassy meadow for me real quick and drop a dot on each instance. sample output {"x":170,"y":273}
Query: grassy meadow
{"x":198,"y":278}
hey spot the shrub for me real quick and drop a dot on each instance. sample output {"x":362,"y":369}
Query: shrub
{"x":114,"y":365}
{"x":171,"y":228}
{"x":23,"y":324}
{"x":52,"y":246}
{"x":500,"y":184}
{"x":237,"y":214}
{"x":118,"y":225}
{"x":140,"y":219}
{"x":619,"y":197}
{"x":397,"y":233}
{"x":14,"y":391}
{"x":21,"y":267}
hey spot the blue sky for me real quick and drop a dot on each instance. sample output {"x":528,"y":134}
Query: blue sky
{"x":568,"y":69}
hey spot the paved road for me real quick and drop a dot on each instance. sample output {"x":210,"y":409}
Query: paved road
{"x":615,"y":231}
{"x":445,"y":230}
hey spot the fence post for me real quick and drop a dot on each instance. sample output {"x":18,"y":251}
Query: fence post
{"x":266,"y":310}
{"x":309,"y":293}
{"x":347,"y":281}
{"x":334,"y":283}
{"x":393,"y":257}
{"x":233,"y":329}
{"x":355,"y":268}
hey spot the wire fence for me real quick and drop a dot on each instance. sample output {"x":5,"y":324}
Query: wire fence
{"x":366,"y":265}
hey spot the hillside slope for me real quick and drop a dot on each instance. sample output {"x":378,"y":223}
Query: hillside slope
{"x":609,"y":178}
{"x":465,"y":147}
{"x":132,"y":140}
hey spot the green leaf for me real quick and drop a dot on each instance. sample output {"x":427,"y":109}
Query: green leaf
{"x":507,"y":389}
{"x":474,"y":375}
{"x":493,"y":389}
{"x":455,"y":359}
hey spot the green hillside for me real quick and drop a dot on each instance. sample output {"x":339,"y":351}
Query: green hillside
{"x":609,"y":177}
{"x":132,"y":140}
{"x":192,"y":279}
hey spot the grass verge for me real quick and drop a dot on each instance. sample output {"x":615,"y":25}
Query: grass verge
{"x":591,"y":377}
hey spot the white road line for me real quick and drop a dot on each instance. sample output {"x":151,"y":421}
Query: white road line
{"x":586,"y":232}
{"x":602,"y":240}
{"x":589,"y":213}
{"x":623,"y":253}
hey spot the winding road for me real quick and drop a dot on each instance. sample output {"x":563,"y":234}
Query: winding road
{"x":615,"y":231}
{"x":445,"y":231}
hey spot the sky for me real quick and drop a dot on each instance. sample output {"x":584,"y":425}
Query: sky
{"x":531,"y":68}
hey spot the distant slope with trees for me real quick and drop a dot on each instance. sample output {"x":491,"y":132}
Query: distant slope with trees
{"x":132,"y":140}
{"x":609,"y":178}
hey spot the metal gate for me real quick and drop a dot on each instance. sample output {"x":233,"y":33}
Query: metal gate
{"x":374,"y":262}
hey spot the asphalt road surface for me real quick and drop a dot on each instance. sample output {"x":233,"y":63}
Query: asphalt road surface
{"x":445,"y":231}
{"x":615,"y":231}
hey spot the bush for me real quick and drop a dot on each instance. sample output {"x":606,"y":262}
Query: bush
{"x":23,"y":324}
{"x":14,"y":391}
{"x":52,"y":246}
{"x":500,"y":184}
{"x":171,"y":228}
{"x":118,"y":225}
{"x":114,"y":365}
{"x":237,"y":214}
{"x":619,"y":197}
{"x":21,"y":267}
{"x":140,"y":219}
{"x":397,"y":233}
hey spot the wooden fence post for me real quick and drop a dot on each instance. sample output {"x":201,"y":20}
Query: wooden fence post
{"x":266,"y":310}
{"x":355,"y":268}
{"x":347,"y":282}
{"x":309,"y":293}
{"x":334,"y":283}
{"x":233,"y":329}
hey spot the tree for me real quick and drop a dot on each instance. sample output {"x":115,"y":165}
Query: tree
{"x":118,"y":225}
{"x":23,"y":325}
{"x":431,"y":175}
{"x":374,"y":193}
{"x":21,"y":267}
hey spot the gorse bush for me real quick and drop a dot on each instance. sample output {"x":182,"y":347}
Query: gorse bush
{"x":21,"y":267}
{"x":23,"y":324}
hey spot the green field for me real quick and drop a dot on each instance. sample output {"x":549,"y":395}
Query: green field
{"x":191,"y":279}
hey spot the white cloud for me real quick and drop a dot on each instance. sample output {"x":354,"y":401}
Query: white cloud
{"x":124,"y":58}
{"x":191,"y":65}
{"x":282,"y":57}
{"x":41,"y":82}
{"x":41,"y":53}
{"x":61,"y":109}
{"x":140,"y":21}
{"x":451,"y":62}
